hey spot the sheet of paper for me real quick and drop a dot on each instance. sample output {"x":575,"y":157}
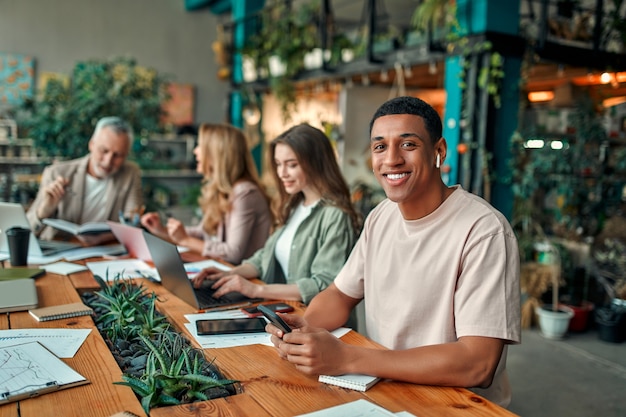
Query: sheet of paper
{"x":92,"y":252}
{"x":193,"y":268}
{"x":75,"y":254}
{"x":128,"y":268}
{"x":358,"y":408}
{"x":64,"y":268}
{"x":64,"y":343}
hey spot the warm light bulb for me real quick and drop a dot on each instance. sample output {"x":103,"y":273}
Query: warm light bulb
{"x":536,"y":96}
{"x":605,"y":78}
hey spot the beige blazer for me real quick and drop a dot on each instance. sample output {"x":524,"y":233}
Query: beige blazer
{"x":123,"y":193}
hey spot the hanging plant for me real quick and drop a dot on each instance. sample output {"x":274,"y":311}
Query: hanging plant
{"x":287,"y":34}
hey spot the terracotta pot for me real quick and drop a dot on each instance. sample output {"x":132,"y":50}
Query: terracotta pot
{"x":580,"y":321}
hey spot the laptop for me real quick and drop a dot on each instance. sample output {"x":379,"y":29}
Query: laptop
{"x":13,"y":214}
{"x":174,"y":278}
{"x":132,"y":239}
{"x":18,"y":295}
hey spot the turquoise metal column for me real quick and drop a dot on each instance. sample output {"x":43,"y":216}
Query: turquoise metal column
{"x":476,"y":17}
{"x":451,"y":117}
{"x":241,"y":11}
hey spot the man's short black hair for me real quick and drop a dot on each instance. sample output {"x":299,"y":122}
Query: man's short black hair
{"x":414,"y":106}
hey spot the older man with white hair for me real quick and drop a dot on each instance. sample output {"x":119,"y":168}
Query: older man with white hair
{"x":96,"y":187}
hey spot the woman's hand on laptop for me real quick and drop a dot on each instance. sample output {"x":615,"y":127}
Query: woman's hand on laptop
{"x":235,"y":283}
{"x":207,"y":274}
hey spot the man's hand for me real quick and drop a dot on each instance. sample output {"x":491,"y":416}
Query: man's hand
{"x":97,"y":239}
{"x":312,"y":350}
{"x":53,"y":193}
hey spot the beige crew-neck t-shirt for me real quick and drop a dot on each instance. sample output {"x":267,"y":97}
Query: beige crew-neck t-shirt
{"x":429,"y":281}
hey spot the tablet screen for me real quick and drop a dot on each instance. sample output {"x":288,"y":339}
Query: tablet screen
{"x":230,"y":326}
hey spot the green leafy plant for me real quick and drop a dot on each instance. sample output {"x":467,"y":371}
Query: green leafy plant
{"x":171,"y":371}
{"x":130,"y":312}
{"x":288,"y":34}
{"x":61,"y":118}
{"x":175,"y":374}
{"x":564,"y":190}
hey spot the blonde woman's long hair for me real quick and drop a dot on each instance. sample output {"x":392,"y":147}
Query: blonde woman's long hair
{"x":226,"y":160}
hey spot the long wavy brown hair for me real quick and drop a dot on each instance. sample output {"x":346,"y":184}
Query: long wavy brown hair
{"x":226,"y":160}
{"x":317,"y":158}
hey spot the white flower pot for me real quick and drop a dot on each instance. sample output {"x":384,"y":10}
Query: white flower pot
{"x":314,"y":59}
{"x":277,"y":66}
{"x":554,"y":324}
{"x":249,"y":69}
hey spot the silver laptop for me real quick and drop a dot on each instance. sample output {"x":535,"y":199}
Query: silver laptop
{"x":174,"y":277}
{"x":18,"y":295}
{"x":11,"y":215}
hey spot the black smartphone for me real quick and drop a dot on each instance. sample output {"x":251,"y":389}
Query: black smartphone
{"x":277,"y":307}
{"x":230,"y":326}
{"x":274,"y":319}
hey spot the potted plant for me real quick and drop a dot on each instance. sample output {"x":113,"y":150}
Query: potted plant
{"x":61,"y":118}
{"x":609,"y":259}
{"x":554,"y":318}
{"x":158,"y":364}
{"x":284,"y":38}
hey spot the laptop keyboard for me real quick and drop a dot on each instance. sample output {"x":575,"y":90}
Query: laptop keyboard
{"x":206,"y":299}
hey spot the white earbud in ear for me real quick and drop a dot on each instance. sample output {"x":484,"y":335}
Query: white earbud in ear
{"x":438,"y":163}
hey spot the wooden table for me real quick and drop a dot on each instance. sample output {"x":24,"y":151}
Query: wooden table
{"x":270,"y":386}
{"x":100,"y":398}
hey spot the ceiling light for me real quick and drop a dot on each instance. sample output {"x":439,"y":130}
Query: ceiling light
{"x":613,"y":101}
{"x":605,"y":78}
{"x":539,"y":96}
{"x":534,"y":143}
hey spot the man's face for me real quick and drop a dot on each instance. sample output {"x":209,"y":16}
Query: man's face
{"x":403,"y":159}
{"x":108,"y":152}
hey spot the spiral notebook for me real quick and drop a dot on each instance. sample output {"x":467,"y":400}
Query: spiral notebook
{"x":356,"y":382}
{"x":61,"y":311}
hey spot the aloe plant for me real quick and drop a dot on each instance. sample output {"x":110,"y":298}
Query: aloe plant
{"x":175,"y":373}
{"x":129,"y":310}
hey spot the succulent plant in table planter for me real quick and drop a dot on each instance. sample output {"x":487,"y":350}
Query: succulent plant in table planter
{"x":158,"y":364}
{"x":175,"y":374}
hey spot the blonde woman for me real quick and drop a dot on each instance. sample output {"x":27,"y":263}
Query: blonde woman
{"x":317,"y":225}
{"x":236,"y":214}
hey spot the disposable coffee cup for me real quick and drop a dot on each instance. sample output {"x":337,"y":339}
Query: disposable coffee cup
{"x":18,"y":238}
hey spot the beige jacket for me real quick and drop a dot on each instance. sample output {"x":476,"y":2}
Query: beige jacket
{"x":124,"y":193}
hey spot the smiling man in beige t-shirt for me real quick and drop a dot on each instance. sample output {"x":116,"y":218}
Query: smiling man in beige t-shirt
{"x":438,"y":269}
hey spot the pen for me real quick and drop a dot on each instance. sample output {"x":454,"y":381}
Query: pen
{"x":226,"y":308}
{"x":144,"y":274}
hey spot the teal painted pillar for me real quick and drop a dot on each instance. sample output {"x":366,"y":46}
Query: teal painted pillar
{"x":476,"y":17}
{"x":451,"y":117}
{"x":505,"y":123}
{"x":241,"y":12}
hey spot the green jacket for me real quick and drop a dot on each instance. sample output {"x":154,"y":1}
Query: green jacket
{"x":320,"y":247}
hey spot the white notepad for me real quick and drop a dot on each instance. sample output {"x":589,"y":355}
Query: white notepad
{"x":356,"y":382}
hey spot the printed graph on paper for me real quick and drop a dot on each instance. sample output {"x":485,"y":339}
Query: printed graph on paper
{"x":29,"y":367}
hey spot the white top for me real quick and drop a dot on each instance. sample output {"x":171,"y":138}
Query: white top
{"x":433,"y":280}
{"x":283,"y":244}
{"x":95,"y":199}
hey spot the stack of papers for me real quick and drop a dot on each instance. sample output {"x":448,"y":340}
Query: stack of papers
{"x":126,"y":268}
